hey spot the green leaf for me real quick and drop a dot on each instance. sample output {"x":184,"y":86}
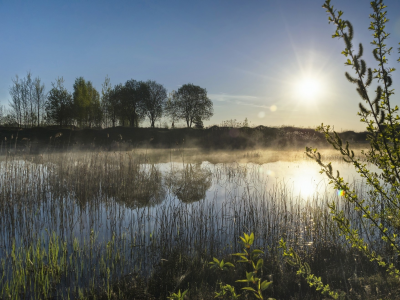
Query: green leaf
{"x":251,"y":238}
{"x":260,"y":263}
{"x":249,"y":276}
{"x":247,"y":288}
{"x":265,"y":284}
{"x":256,"y":251}
{"x":184,"y":293}
{"x":240,"y":254}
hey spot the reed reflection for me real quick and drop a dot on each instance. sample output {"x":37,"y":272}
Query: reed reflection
{"x":108,"y":179}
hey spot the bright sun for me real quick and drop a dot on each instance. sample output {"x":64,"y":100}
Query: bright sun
{"x":308,"y":88}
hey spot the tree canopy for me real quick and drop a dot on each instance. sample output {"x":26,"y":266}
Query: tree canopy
{"x":191,"y":103}
{"x":59,"y":105}
{"x":126,"y":104}
{"x":87,"y":109}
{"x":154,"y":103}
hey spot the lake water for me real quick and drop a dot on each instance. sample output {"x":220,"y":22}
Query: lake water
{"x":108,"y":191}
{"x":147,"y":205}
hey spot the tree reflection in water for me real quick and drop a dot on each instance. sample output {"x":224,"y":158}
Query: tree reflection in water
{"x":189,"y":184}
{"x":145,"y":188}
{"x":107,"y":178}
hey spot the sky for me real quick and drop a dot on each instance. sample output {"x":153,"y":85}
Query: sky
{"x":258,"y":59}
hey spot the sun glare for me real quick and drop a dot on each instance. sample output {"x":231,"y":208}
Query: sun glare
{"x":308,"y":88}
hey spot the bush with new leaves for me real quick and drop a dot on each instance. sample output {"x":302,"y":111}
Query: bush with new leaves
{"x":381,"y":210}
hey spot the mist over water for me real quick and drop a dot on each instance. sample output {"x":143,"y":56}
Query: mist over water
{"x":79,"y":192}
{"x":150,"y":204}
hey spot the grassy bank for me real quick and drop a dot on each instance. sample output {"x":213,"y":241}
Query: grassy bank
{"x":39,"y":140}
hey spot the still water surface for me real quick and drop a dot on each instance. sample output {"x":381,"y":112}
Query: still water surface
{"x":149,"y":208}
{"x":67,"y":196}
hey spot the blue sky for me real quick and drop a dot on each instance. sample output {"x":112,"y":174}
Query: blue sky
{"x":249,"y":55}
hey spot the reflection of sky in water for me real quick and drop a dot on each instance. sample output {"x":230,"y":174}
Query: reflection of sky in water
{"x":303,"y":177}
{"x":300,"y":179}
{"x":219,"y":184}
{"x":217,"y":200}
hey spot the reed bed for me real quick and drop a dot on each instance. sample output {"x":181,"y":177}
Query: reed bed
{"x":112,"y":225}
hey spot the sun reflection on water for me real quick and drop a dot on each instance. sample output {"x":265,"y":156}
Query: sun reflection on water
{"x":303,"y":178}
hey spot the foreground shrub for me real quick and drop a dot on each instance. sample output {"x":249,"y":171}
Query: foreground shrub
{"x":381,"y":211}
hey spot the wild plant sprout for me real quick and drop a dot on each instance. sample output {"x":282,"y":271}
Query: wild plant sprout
{"x":177,"y":296}
{"x":255,"y":285}
{"x":382,"y":209}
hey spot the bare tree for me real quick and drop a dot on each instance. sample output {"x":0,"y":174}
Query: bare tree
{"x":29,"y":86}
{"x":26,"y":97}
{"x":2,"y":114}
{"x":16,"y":99}
{"x":22,"y":101}
{"x":7,"y":117}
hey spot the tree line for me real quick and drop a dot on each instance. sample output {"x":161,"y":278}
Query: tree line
{"x":128,"y":104}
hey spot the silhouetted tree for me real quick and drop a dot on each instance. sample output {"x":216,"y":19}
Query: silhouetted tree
{"x":154,"y":102}
{"x":27,"y":100}
{"x":94,"y":112}
{"x":133,"y":95}
{"x":86,"y":103}
{"x":170,"y":109}
{"x":191,"y":102}
{"x":16,"y":102}
{"x":105,"y":102}
{"x":39,"y":98}
{"x":115,"y":104}
{"x":81,"y":100}
{"x":2,"y":114}
{"x":198,"y":123}
{"x":22,"y":100}
{"x":59,"y":104}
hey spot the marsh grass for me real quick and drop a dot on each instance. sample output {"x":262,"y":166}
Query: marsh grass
{"x":114,"y":225}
